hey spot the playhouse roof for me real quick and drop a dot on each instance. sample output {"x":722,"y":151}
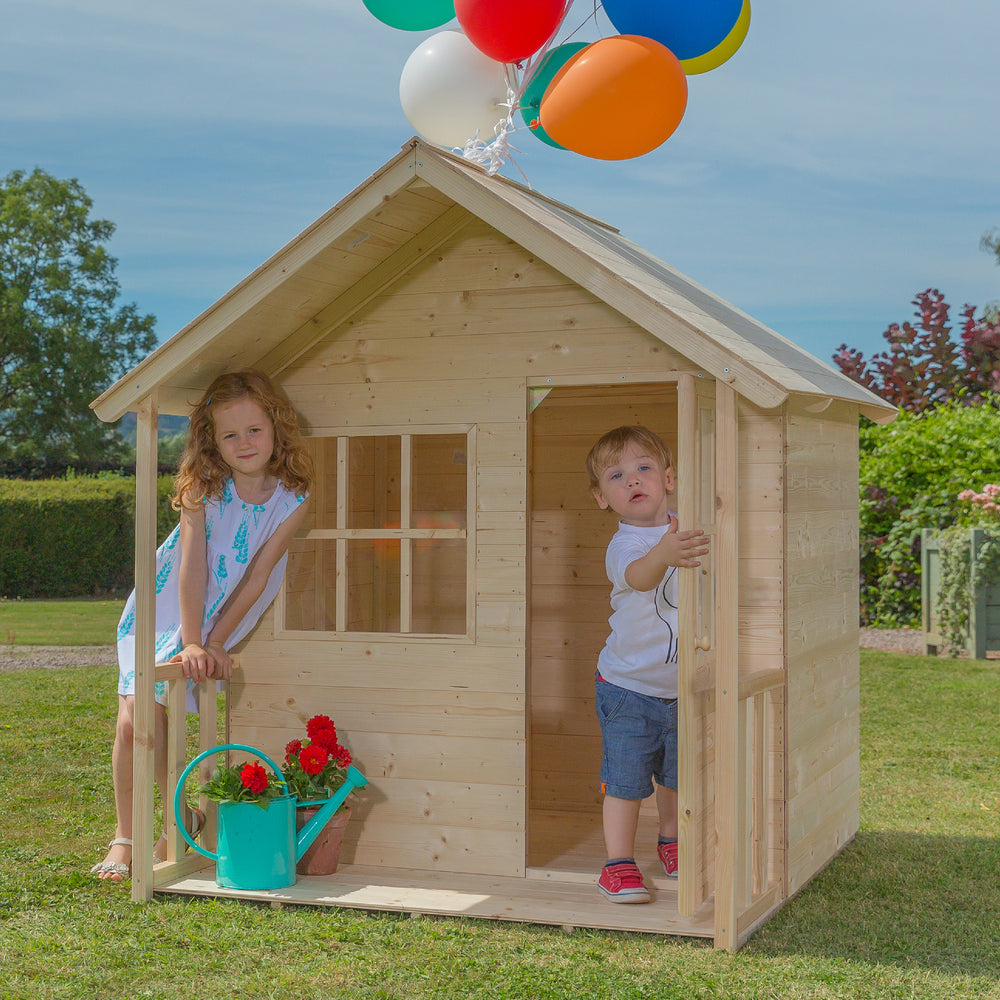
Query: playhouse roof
{"x":407,"y":208}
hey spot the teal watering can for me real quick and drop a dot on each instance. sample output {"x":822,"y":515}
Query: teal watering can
{"x":258,"y":848}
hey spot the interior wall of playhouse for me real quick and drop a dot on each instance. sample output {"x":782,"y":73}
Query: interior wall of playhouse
{"x":568,"y":616}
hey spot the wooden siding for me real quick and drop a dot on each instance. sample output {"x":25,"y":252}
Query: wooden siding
{"x":456,"y":343}
{"x":822,"y":618}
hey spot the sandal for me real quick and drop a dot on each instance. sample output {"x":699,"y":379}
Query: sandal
{"x":114,"y":867}
{"x":198,"y":819}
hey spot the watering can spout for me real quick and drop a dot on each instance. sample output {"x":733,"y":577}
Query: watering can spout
{"x":309,"y":832}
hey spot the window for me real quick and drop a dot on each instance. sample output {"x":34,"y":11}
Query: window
{"x":386,"y":549}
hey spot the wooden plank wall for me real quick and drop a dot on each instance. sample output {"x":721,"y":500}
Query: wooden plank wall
{"x":762,"y":576}
{"x":823,"y":669}
{"x":439,"y":725}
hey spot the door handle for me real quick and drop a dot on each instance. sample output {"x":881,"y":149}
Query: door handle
{"x":704,"y":643}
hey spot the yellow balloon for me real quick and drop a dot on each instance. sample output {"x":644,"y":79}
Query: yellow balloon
{"x":717,"y":56}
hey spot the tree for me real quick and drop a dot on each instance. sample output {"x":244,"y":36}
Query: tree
{"x":923,"y":366}
{"x":63,"y":336}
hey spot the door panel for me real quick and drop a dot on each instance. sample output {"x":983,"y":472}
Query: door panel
{"x":696,"y":489}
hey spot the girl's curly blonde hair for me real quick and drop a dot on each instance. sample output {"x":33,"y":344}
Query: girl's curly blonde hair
{"x":203,"y":474}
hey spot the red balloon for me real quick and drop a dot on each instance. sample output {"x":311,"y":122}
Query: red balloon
{"x":620,"y":97}
{"x":509,"y":30}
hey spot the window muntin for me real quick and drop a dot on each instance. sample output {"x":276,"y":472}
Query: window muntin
{"x":386,"y":547}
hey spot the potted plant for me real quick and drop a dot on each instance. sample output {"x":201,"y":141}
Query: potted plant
{"x":256,"y":843}
{"x":313,"y":770}
{"x":247,"y":782}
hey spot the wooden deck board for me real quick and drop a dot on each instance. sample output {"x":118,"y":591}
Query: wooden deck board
{"x":540,"y":900}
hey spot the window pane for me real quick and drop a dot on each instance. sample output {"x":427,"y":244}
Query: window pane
{"x":311,"y":585}
{"x":374,"y":474}
{"x":439,"y":481}
{"x":439,"y":586}
{"x":373,"y":585}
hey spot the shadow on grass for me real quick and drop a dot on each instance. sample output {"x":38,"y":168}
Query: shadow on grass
{"x":899,"y":899}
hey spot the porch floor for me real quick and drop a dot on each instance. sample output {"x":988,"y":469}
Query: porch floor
{"x":565,"y":852}
{"x":539,"y":898}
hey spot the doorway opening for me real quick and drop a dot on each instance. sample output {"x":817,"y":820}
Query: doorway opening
{"x":568,"y":624}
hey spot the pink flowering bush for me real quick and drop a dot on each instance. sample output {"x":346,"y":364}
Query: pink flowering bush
{"x":986,"y":501}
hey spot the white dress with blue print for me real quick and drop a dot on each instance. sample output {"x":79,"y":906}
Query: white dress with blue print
{"x":234,"y":531}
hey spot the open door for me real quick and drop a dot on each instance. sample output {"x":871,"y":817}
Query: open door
{"x":696,"y":488}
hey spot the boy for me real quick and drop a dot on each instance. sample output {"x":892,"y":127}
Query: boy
{"x":631,"y":472}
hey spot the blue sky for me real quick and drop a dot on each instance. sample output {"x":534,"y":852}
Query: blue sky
{"x":843,"y":160}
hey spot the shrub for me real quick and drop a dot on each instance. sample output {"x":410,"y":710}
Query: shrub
{"x":72,"y":537}
{"x":912,"y":472}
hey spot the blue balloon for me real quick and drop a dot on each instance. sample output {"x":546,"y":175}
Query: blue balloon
{"x":689,"y":28}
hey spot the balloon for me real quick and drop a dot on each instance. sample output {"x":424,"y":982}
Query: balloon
{"x":619,"y":97}
{"x":509,"y":30}
{"x":717,"y":56}
{"x":688,"y":29}
{"x":412,"y":15}
{"x":531,"y":100}
{"x":449,"y":90}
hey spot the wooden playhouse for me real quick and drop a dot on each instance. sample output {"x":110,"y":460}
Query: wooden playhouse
{"x":455,"y":343}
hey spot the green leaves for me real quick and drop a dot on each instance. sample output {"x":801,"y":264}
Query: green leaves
{"x":911,"y":473}
{"x":63,"y":338}
{"x":229,"y":784}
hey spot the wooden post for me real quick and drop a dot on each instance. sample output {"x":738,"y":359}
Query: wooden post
{"x":689,"y":804}
{"x":696,"y":663}
{"x":406,"y":544}
{"x":730,"y":722}
{"x":143,"y":769}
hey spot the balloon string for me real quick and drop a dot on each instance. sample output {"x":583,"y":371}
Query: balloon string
{"x":493,"y":154}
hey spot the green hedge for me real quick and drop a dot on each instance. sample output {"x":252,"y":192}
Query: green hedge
{"x":912,"y":471}
{"x":72,"y":537}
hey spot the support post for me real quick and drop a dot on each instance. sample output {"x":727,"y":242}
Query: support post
{"x":143,"y":769}
{"x":731,"y":763}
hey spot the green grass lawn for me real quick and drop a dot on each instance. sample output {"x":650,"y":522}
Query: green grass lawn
{"x":70,"y":622}
{"x":910,"y":909}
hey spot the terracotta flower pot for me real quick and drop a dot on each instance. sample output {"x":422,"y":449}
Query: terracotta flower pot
{"x":323,"y":854}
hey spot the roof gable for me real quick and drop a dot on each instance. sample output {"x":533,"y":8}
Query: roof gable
{"x":398,"y":216}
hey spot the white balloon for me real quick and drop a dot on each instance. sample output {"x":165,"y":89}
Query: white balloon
{"x":449,"y":90}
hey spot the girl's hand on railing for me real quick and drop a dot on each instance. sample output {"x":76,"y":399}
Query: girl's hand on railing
{"x":196,"y":662}
{"x":223,"y":662}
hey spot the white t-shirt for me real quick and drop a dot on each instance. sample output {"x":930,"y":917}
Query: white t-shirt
{"x":641,"y":652}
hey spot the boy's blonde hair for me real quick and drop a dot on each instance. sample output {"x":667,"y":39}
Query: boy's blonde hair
{"x":203,"y":474}
{"x":610,"y":447}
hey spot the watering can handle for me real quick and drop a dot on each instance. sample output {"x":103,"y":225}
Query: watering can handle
{"x":178,"y":816}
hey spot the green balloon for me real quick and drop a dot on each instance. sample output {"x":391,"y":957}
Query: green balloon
{"x":531,"y":101}
{"x":412,"y":15}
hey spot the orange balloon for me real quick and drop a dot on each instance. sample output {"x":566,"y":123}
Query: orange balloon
{"x":621,"y":97}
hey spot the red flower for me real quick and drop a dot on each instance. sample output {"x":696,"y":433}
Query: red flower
{"x":342,"y":757}
{"x":292,"y":748}
{"x":254,"y":777}
{"x":318,"y":722}
{"x":326,"y":738}
{"x":313,"y":759}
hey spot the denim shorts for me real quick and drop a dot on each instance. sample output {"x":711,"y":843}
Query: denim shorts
{"x":639,"y":738}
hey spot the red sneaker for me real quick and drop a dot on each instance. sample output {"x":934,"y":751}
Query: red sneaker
{"x":668,"y":858}
{"x":622,"y":883}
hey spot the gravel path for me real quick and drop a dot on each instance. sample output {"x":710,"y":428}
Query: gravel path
{"x":901,"y":640}
{"x":56,"y":657}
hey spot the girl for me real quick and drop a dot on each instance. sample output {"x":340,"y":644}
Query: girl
{"x":241,"y":492}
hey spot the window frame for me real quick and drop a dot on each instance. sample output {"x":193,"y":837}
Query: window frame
{"x":405,"y":534}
